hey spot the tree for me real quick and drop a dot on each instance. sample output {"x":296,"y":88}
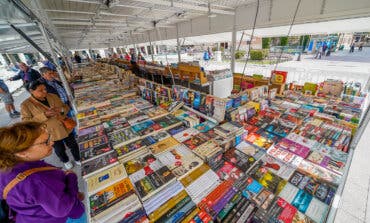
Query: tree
{"x":266,"y":43}
{"x":283,"y":41}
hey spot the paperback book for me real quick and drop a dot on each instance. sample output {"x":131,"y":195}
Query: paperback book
{"x":96,"y":164}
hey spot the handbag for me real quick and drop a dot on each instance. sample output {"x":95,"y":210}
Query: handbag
{"x":69,"y":123}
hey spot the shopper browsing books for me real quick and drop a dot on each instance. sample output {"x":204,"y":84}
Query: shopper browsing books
{"x":53,"y":86}
{"x":42,"y":193}
{"x":26,"y":74}
{"x":49,"y":109}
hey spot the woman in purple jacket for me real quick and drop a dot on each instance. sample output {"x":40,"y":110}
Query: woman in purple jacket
{"x":44,"y":196}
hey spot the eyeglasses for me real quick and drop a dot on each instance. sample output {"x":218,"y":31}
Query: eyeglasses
{"x":47,"y":142}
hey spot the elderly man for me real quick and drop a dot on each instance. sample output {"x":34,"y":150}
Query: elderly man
{"x":26,"y":74}
{"x":52,"y":85}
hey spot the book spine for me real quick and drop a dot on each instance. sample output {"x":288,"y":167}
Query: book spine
{"x":135,"y":216}
{"x":240,"y":212}
{"x":221,"y":204}
{"x":167,"y":206}
{"x":174,"y":209}
{"x":190,"y":216}
{"x":244,"y":217}
{"x":94,"y":212}
{"x":237,"y":197}
{"x":235,"y":209}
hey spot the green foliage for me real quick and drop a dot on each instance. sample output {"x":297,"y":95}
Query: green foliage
{"x":258,"y":54}
{"x":239,"y":54}
{"x":283,"y":41}
{"x":266,"y":43}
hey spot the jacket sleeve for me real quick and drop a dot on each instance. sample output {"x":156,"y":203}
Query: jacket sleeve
{"x":27,"y":115}
{"x":35,"y":75}
{"x":16,"y":77}
{"x":59,"y":203}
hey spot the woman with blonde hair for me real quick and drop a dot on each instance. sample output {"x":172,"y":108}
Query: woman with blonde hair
{"x":35,"y":190}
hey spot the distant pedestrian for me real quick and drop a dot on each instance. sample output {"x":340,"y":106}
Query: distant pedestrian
{"x":352,"y":48}
{"x":7,"y":99}
{"x":360,"y":46}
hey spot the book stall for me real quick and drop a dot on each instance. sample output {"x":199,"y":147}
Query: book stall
{"x":157,"y":153}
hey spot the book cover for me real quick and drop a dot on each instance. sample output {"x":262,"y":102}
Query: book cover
{"x":105,"y":177}
{"x":241,"y":160}
{"x":100,"y":140}
{"x":155,"y":112}
{"x":250,"y":150}
{"x":227,"y":171}
{"x":163,"y":145}
{"x":177,"y":129}
{"x":180,"y":160}
{"x":194,"y":142}
{"x":185,"y":134}
{"x":92,"y":152}
{"x":98,"y":163}
{"x":109,"y":196}
{"x":115,"y":124}
{"x":136,"y":145}
{"x":123,"y":136}
{"x":207,"y":149}
{"x":156,"y":137}
{"x":145,"y":127}
{"x":295,"y":148}
{"x":167,"y":121}
{"x":269,"y":180}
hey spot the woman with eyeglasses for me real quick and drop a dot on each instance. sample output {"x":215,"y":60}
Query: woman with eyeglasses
{"x":47,"y":194}
{"x":49,"y":109}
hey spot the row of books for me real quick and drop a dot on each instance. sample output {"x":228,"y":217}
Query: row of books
{"x":180,"y":167}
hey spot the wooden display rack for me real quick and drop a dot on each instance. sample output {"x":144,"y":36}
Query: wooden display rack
{"x":256,"y":82}
{"x":190,"y":73}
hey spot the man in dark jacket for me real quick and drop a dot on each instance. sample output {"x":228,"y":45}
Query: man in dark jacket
{"x":26,"y":74}
{"x":52,"y":85}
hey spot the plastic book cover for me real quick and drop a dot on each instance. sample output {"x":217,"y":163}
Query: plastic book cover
{"x":91,"y":130}
{"x":103,"y":139}
{"x":177,"y":129}
{"x":91,"y":152}
{"x":136,"y":145}
{"x":258,"y":140}
{"x":269,"y":180}
{"x":194,"y":142}
{"x":122,"y":136}
{"x":295,"y":148}
{"x":98,"y":163}
{"x":163,"y":145}
{"x":207,"y":149}
{"x":115,"y":124}
{"x":282,"y":211}
{"x":250,"y":150}
{"x":105,"y":177}
{"x":167,"y":121}
{"x":155,"y":112}
{"x":240,"y":159}
{"x":145,"y":127}
{"x":109,"y":196}
{"x":277,"y":167}
{"x":228,"y":171}
{"x":205,"y":126}
{"x":319,"y":172}
{"x":186,"y":134}
{"x":156,"y":137}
